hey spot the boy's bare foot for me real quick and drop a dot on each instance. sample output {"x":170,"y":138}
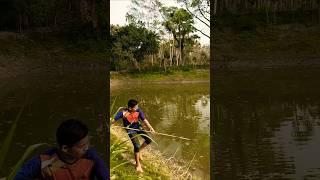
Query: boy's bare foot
{"x":139,"y":169}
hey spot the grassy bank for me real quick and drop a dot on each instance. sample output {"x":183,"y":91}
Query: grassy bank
{"x":267,"y":47}
{"x":154,"y":164}
{"x":127,"y":170}
{"x":172,"y":75}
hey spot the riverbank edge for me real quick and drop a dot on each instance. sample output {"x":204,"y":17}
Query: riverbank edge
{"x":191,"y":76}
{"x":154,"y":163}
{"x":266,"y":47}
{"x":27,"y":54}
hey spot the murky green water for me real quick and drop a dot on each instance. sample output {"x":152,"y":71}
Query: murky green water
{"x":267,"y":125}
{"x":53,"y":96}
{"x":178,"y":109}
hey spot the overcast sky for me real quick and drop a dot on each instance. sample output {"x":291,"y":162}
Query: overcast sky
{"x":119,"y":8}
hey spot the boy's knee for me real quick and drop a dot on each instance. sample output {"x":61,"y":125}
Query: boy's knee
{"x":136,"y":148}
{"x":147,"y":141}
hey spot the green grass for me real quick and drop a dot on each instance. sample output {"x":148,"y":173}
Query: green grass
{"x":121,"y":168}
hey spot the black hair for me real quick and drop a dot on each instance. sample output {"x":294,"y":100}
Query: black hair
{"x":132,"y":103}
{"x":70,"y":132}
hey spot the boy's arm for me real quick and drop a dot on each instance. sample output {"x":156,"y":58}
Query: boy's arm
{"x":30,"y":170}
{"x":146,"y":122}
{"x":99,"y":169}
{"x":116,"y":118}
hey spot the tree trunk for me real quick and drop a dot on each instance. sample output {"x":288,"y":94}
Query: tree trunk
{"x":215,"y":7}
{"x":152,"y":60}
{"x":267,"y":14}
{"x":170,"y":52}
{"x":20,"y":22}
{"x":319,"y":12}
{"x":177,"y":57}
{"x":274,"y":13}
{"x":94,"y":14}
{"x":180,"y":54}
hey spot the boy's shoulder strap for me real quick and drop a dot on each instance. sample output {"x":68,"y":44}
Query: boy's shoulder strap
{"x":121,"y":109}
{"x":47,"y":160}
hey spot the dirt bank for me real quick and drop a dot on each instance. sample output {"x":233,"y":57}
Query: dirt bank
{"x":271,"y":47}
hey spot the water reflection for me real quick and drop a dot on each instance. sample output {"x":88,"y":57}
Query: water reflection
{"x":269,"y":133}
{"x":52,"y":98}
{"x":178,"y":109}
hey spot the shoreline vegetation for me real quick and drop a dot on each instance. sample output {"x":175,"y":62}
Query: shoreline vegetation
{"x":267,"y":47}
{"x":175,"y":76}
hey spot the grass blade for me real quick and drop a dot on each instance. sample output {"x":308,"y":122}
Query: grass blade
{"x":9,"y":138}
{"x":114,"y":168}
{"x":113,"y":103}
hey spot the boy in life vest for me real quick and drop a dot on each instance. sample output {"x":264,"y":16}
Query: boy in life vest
{"x":72,"y":159}
{"x":131,"y":118}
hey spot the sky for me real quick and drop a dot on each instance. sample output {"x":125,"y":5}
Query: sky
{"x":119,"y":8}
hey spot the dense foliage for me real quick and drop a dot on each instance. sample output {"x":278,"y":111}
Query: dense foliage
{"x":81,"y":18}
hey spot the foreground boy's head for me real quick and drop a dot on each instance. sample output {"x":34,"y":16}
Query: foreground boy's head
{"x":133,"y":105}
{"x":72,"y":138}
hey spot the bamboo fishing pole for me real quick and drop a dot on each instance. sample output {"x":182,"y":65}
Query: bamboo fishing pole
{"x":163,"y":134}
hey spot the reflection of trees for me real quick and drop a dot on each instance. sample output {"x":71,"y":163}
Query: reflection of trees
{"x":204,"y":100}
{"x":256,"y":120}
{"x":303,"y":120}
{"x":243,"y":148}
{"x":244,"y":132}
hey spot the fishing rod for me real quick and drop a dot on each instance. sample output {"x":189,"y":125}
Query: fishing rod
{"x":163,"y":134}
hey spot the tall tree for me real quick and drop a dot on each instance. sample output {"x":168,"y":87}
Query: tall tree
{"x":200,"y":10}
{"x":133,"y":43}
{"x":146,"y":13}
{"x":179,"y":22}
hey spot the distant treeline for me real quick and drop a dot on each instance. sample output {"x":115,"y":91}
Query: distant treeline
{"x":81,"y":17}
{"x":136,"y":48}
{"x":267,"y":11}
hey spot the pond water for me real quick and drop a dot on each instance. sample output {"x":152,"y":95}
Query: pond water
{"x":267,"y":125}
{"x":180,"y":109}
{"x":49,"y":98}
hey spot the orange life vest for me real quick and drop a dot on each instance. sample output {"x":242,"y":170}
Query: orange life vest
{"x":52,"y":168}
{"x":132,"y":117}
